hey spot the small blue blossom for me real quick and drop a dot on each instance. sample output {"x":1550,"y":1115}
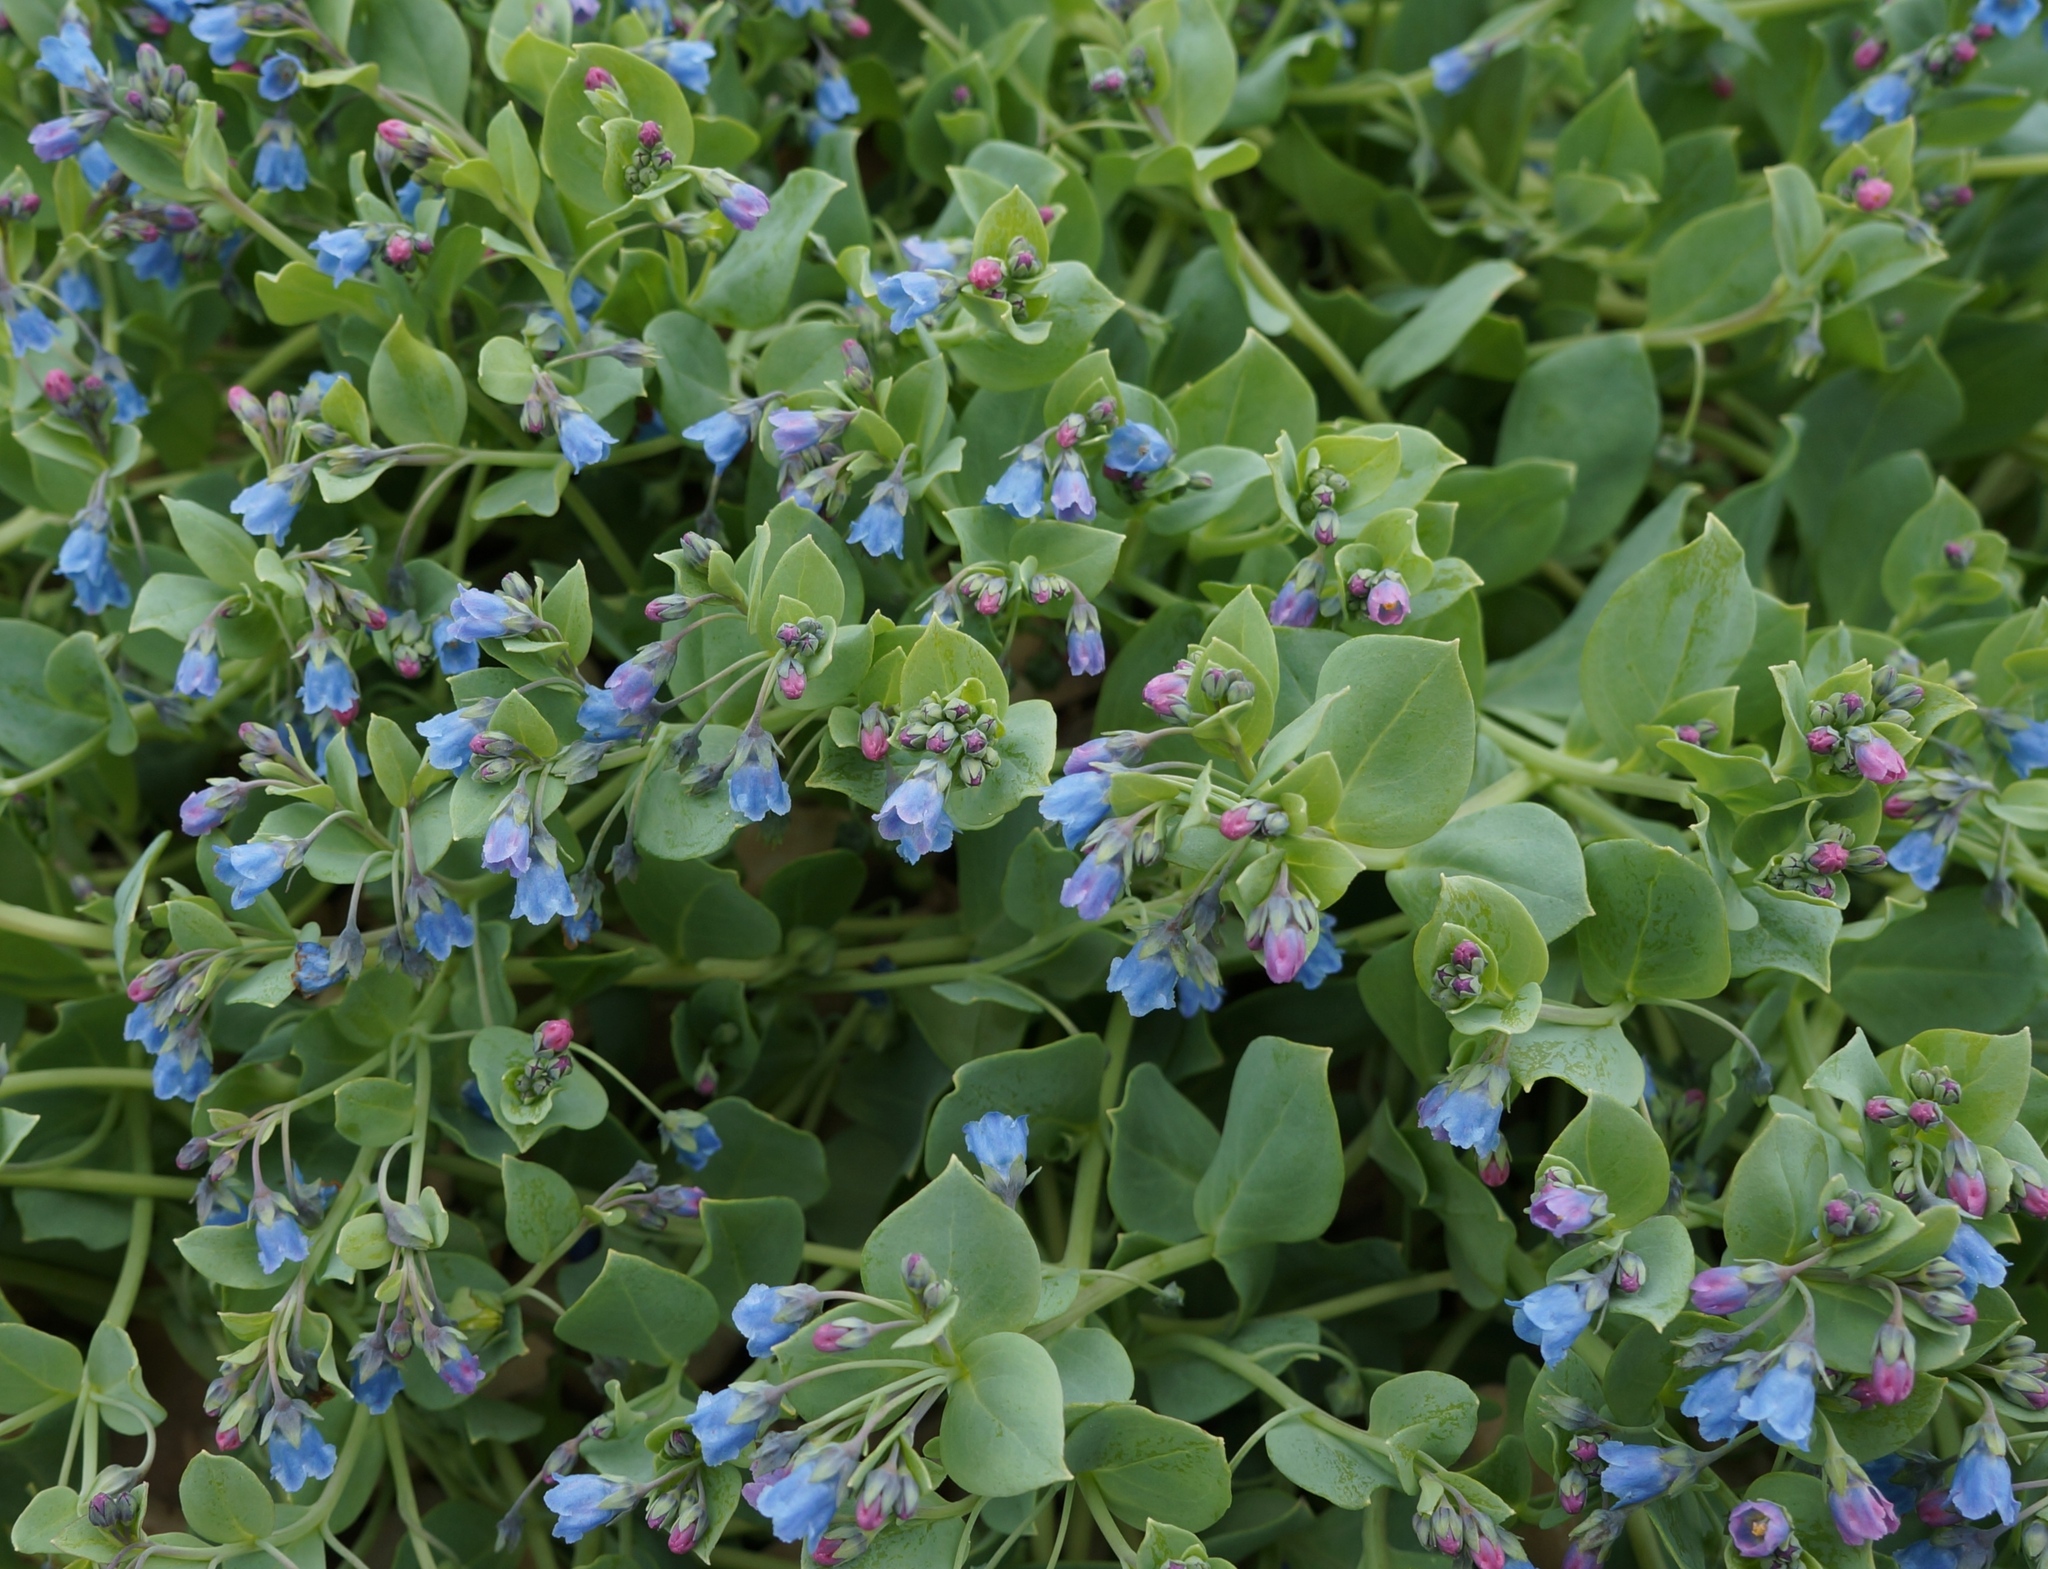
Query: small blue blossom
{"x":31,"y":330}
{"x":724,"y":436}
{"x":1921,"y":856}
{"x":86,"y":561}
{"x":97,"y":165}
{"x":1077,"y":803}
{"x":1981,"y":1263}
{"x":1982,"y":1486}
{"x":542,"y":892}
{"x":579,"y":1505}
{"x":800,"y":1505}
{"x":584,"y":441}
{"x":753,"y":784}
{"x":448,"y":736}
{"x":1098,"y":882}
{"x":879,"y":528}
{"x":2010,"y":17}
{"x":457,"y":656}
{"x":182,"y":1070}
{"x":1021,"y":489}
{"x":909,"y":297}
{"x":689,"y":1137}
{"x":299,"y":1455}
{"x":1552,"y":1318}
{"x":1465,"y":1111}
{"x":329,"y":685}
{"x":477,"y":614}
{"x":1849,"y":121}
{"x":1145,"y":978}
{"x":280,"y":1240}
{"x":341,"y":254}
{"x":266,"y":508}
{"x":280,"y":160}
{"x":1136,"y":448}
{"x":441,"y":931}
{"x":687,"y":60}
{"x":219,"y":27}
{"x":1637,"y":1473}
{"x":157,"y":261}
{"x":279,"y":77}
{"x":1451,"y":71}
{"x":1712,"y":1403}
{"x":1324,"y":960}
{"x":1781,"y":1402}
{"x":198,"y":671}
{"x":768,"y":1315}
{"x":930,"y":255}
{"x":77,"y":291}
{"x":835,"y":100}
{"x":248,"y":870}
{"x":375,"y":1392}
{"x":914,"y":818}
{"x":68,"y":56}
{"x":727,"y":1421}
{"x":1000,"y":1144}
{"x":508,"y":839}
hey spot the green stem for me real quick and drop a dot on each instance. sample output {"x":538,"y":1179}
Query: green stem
{"x":54,"y":928}
{"x":38,"y":1080}
{"x":119,"y":1184}
{"x":1088,"y":1176}
{"x":140,"y":1217}
{"x":225,"y":195}
{"x":1138,"y":1273}
{"x":1578,"y":770}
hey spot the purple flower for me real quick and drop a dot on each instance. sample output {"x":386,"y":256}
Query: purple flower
{"x":1721,"y":1291}
{"x":1072,"y":500}
{"x":55,"y":140}
{"x":1563,"y":1209}
{"x":914,"y":818}
{"x":508,"y":839}
{"x":746,"y":206}
{"x":1758,"y":1528}
{"x":1294,"y":606}
{"x":1096,"y":884}
{"x":1876,"y":758}
{"x":1862,"y":1513}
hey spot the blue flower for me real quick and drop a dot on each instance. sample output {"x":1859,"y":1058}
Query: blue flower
{"x":54,"y":140}
{"x":376,"y":1392}
{"x":1921,"y":857}
{"x":1098,"y":881}
{"x":448,"y":737}
{"x":456,"y":656}
{"x":2010,"y":17}
{"x":601,"y":716}
{"x":1637,"y":1473}
{"x":724,"y":436}
{"x":1147,"y":982}
{"x":1451,"y":71}
{"x":795,"y":431}
{"x":914,"y":818}
{"x":688,"y":60}
{"x":768,"y":1315}
{"x":797,"y":10}
{"x":1981,"y":1263}
{"x":1711,"y":1402}
{"x":281,"y":164}
{"x":1136,"y":448}
{"x":754,"y":784}
{"x":1294,"y":606}
{"x":129,"y":403}
{"x":1086,"y":655}
{"x":439,"y":932}
{"x":1324,"y":960}
{"x":1781,"y":1402}
{"x":1021,"y":489}
{"x":198,"y":671}
{"x":1077,"y":803}
{"x":299,"y":1456}
{"x":1072,"y":500}
{"x":879,"y":528}
{"x":31,"y":330}
{"x":314,"y":969}
{"x":584,"y":441}
{"x":1848,"y":121}
{"x":1888,"y":97}
{"x":835,"y":100}
{"x":180,"y":1075}
{"x":175,"y":11}
{"x":930,"y":255}
{"x":279,"y":1238}
{"x":726,"y":1422}
{"x":279,"y":78}
{"x":85,"y":561}
{"x":1983,"y":1477}
{"x":802,"y":1504}
{"x":97,"y":165}
{"x":477,"y":614}
{"x":1552,"y":1318}
{"x":341,"y":254}
{"x":1466,"y":1114}
{"x":70,"y":59}
{"x":508,"y":839}
{"x":690,"y":1138}
{"x":910,"y":297}
{"x":219,"y":27}
{"x":579,"y":1505}
{"x":157,"y":261}
{"x":329,"y":684}
{"x":249,"y":869}
{"x":266,"y":507}
{"x":1000,"y":1142}
{"x":1199,"y":995}
{"x":542,"y":892}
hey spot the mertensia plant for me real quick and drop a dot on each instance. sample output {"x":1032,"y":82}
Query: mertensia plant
{"x":991,"y":784}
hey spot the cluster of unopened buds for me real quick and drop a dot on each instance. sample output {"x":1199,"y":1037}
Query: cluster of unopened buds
{"x":152,"y":98}
{"x":1445,"y":1521}
{"x":1456,"y":981}
{"x":2021,"y":1372}
{"x":87,"y":400}
{"x":1851,"y":1214}
{"x":1254,"y":820}
{"x":1933,"y":1093}
{"x":1132,"y":79}
{"x":1815,"y":869}
{"x":1318,"y":504}
{"x":1169,"y":694}
{"x":1869,"y":191}
{"x":956,"y":730}
{"x":537,"y":1078}
{"x":800,"y":641}
{"x":651,"y":162}
{"x":1842,"y":738}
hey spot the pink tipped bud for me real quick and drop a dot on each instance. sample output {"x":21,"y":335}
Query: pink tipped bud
{"x":59,"y":387}
{"x":986,"y":274}
{"x":1830,"y":856}
{"x":598,"y":80}
{"x":1821,"y":740}
{"x":1722,"y":85}
{"x":1869,"y":53}
{"x":1965,"y":51}
{"x":376,"y":618}
{"x":856,"y":25}
{"x":1925,"y":1113}
{"x":399,"y":250}
{"x":1495,"y":1170}
{"x":395,"y":133}
{"x":555,"y":1035}
{"x":1873,"y":195}
{"x":1046,"y":215}
{"x":245,"y":405}
{"x":650,"y":134}
{"x":409,"y":666}
{"x":792,"y":682}
{"x":1235,"y":823}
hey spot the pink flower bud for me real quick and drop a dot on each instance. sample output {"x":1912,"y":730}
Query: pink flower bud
{"x":1046,"y":215}
{"x":409,"y":666}
{"x":398,"y":250}
{"x":1495,"y":1170}
{"x":650,"y":134}
{"x":1878,"y":761}
{"x":1924,"y":1113}
{"x":1722,"y":84}
{"x":1873,"y":195}
{"x":555,"y":1035}
{"x":59,"y":387}
{"x":792,"y":682}
{"x":395,"y":133}
{"x":1821,"y":740}
{"x":1968,"y":1189}
{"x":1829,"y":856}
{"x":1166,"y":691}
{"x":1966,"y":51}
{"x":597,"y":80}
{"x":986,"y":274}
{"x":1897,"y":807}
{"x":1869,"y":53}
{"x":1689,"y":734}
{"x":856,"y":25}
{"x":1235,"y":823}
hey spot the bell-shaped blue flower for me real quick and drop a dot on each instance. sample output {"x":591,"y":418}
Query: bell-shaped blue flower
{"x":1136,"y":448}
{"x":579,"y":1505}
{"x":1637,"y":1473}
{"x":266,"y":509}
{"x":1325,"y":958}
{"x":1020,"y":491}
{"x":726,"y":1421}
{"x":914,"y":817}
{"x":68,"y":56}
{"x":341,"y":254}
{"x":31,"y":331}
{"x":77,"y":291}
{"x":249,"y":869}
{"x":279,"y":77}
{"x":584,"y":441}
{"x":909,"y":297}
{"x":1552,"y":1318}
{"x":299,"y":1453}
{"x":280,"y":1240}
{"x":219,"y":27}
{"x":724,"y":436}
{"x":835,"y":99}
{"x":157,"y":261}
{"x":1077,"y":803}
{"x":1451,"y":71}
{"x":754,"y":784}
{"x":542,"y":892}
{"x":1781,"y":1402}
{"x":440,"y":931}
{"x":329,"y":685}
{"x":879,"y":528}
{"x":281,"y":164}
{"x":687,"y":60}
{"x":1981,"y":1263}
{"x":768,"y":1315}
{"x":1712,"y":1403}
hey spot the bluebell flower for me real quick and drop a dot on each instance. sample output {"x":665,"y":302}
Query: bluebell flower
{"x":746,"y":206}
{"x":1296,"y":605}
{"x":1324,"y":960}
{"x":249,"y":869}
{"x":279,"y":1238}
{"x":727,"y":1421}
{"x":1637,"y":1473}
{"x":1086,"y":655}
{"x":689,"y":1137}
{"x":724,"y":436}
{"x":835,"y":100}
{"x":78,"y":291}
{"x":219,"y":27}
{"x":1465,"y":1110}
{"x":1020,"y":491}
{"x":314,"y":968}
{"x":142,"y":1025}
{"x":584,"y":441}
{"x":1712,"y":1403}
{"x":930,"y":255}
{"x":55,"y":140}
{"x":157,"y":261}
{"x":1552,"y":1318}
{"x":178,"y":12}
{"x":441,"y":930}
{"x":1888,"y":97}
{"x":1077,"y":803}
{"x":477,"y":614}
{"x":329,"y":684}
{"x":587,"y":919}
{"x":1098,"y":881}
{"x":753,"y":783}
{"x":914,"y":817}
{"x":129,"y":403}
{"x":85,"y":561}
{"x":448,"y":736}
{"x":31,"y":330}
{"x":69,"y":57}
{"x":375,"y":1392}
{"x":1136,"y":448}
{"x":2010,"y":17}
{"x":97,"y":165}
{"x":341,"y":254}
{"x":279,"y":77}
{"x":601,"y":717}
{"x":228,"y":1207}
{"x":1146,"y":980}
{"x":1781,"y":1402}
{"x":1921,"y":856}
{"x":542,"y":892}
{"x":584,"y":299}
{"x":800,"y":1505}
{"x":909,"y":297}
{"x":181,"y":1075}
{"x":579,"y":1505}
{"x":198,"y":671}
{"x":687,"y":60}
{"x":1000,"y":1143}
{"x":796,"y":431}
{"x":1981,"y":1263}
{"x":280,"y":160}
{"x":1952,"y":1547}
{"x":1982,"y":1485}
{"x":266,"y":508}
{"x":768,"y":1315}
{"x":456,"y":656}
{"x":508,"y":838}
{"x":1199,"y":994}
{"x":879,"y":528}
{"x":1849,"y":121}
{"x":1451,"y":71}
{"x":299,"y":1454}
{"x":797,"y":10}
{"x":1072,"y":500}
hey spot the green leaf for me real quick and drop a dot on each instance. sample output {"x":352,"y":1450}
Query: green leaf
{"x":1427,"y":338}
{"x":1954,"y":966}
{"x":1595,"y":1060}
{"x":420,"y":47}
{"x":35,"y":1366}
{"x":1002,"y":1431}
{"x":1510,"y":518}
{"x":1402,"y":737}
{"x":1160,"y":1146}
{"x":1152,"y":1467}
{"x":759,"y":1157}
{"x":1612,"y":1147}
{"x":1525,"y":848}
{"x":223,"y":1501}
{"x":1665,"y":1247}
{"x":1075,"y":305}
{"x":1094,"y":1367}
{"x":1058,"y":1087}
{"x":641,"y":1311}
{"x":1773,"y":1198}
{"x":748,"y":1240}
{"x":1248,"y":401}
{"x":1428,"y":1413}
{"x":749,"y":284}
{"x":1346,"y":1474}
{"x":1613,"y":136}
{"x":1279,"y":1168}
{"x":1593,"y":404}
{"x":970,"y":1237}
{"x":1658,"y":927}
{"x":579,"y":1101}
{"x":541,"y":1211}
{"x":373,"y":1112}
{"x":416,"y":390}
